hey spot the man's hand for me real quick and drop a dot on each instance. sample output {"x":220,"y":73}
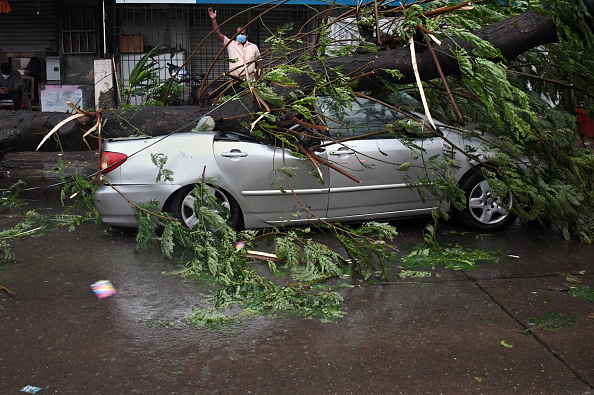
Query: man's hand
{"x":215,"y":25}
{"x":3,"y":91}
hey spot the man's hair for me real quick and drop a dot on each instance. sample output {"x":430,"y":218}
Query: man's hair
{"x":6,"y":68}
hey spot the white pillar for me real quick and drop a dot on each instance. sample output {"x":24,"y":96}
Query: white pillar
{"x":103,"y":84}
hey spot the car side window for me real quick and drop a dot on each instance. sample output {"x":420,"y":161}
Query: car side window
{"x":234,"y":136}
{"x":364,"y":119}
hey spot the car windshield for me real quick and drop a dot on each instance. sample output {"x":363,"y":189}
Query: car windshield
{"x":406,"y":102}
{"x":357,"y":118}
{"x":365,"y":118}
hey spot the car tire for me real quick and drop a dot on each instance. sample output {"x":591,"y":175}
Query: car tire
{"x":182,"y":207}
{"x":483,"y":210}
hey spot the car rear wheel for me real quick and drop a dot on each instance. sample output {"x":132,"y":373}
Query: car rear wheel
{"x":484,"y":209}
{"x":182,"y":207}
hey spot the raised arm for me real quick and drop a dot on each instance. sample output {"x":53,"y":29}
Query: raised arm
{"x":215,"y":26}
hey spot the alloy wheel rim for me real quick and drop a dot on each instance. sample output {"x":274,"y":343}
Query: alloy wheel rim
{"x":188,"y":213}
{"x":485,"y":206}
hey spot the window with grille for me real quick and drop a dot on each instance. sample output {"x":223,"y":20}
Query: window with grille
{"x":78,"y":31}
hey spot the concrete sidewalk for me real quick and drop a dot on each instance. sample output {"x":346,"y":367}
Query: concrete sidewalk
{"x":453,"y":332}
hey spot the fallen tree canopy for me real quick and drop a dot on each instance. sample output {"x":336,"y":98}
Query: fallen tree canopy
{"x":492,"y":65}
{"x":512,"y":37}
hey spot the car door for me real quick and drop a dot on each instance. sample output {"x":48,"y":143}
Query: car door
{"x":384,"y":190}
{"x":269,"y":182}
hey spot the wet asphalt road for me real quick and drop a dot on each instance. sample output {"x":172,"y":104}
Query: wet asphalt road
{"x":462,"y":332}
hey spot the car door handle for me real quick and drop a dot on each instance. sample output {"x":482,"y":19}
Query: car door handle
{"x":342,"y":152}
{"x":234,"y":153}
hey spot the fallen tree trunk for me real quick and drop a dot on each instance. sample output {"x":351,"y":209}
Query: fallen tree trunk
{"x":19,"y":129}
{"x":512,"y":37}
{"x":24,"y":130}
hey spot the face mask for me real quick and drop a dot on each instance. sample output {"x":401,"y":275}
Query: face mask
{"x":6,"y":76}
{"x":241,"y":38}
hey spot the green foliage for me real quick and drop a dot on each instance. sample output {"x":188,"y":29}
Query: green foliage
{"x":320,"y":261}
{"x":582,"y":291}
{"x":31,"y":224}
{"x":551,"y":321}
{"x":146,"y":235}
{"x":455,"y":257}
{"x":8,"y":199}
{"x":432,"y":254}
{"x":155,"y":96}
{"x":367,"y":254}
{"x":211,"y":318}
{"x":579,"y":290}
{"x":576,"y":46}
{"x":414,"y":274}
{"x":534,"y":149}
{"x":6,"y":254}
{"x":78,"y":191}
{"x":164,"y":174}
{"x":144,"y":77}
{"x":211,"y":248}
{"x":155,"y":322}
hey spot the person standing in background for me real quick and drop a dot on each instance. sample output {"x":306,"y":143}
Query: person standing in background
{"x":243,"y":54}
{"x":11,"y":84}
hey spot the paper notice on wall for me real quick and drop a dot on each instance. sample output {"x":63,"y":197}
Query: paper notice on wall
{"x":54,"y":97}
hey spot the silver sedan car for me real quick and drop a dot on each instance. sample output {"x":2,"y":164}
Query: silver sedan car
{"x":262,"y":185}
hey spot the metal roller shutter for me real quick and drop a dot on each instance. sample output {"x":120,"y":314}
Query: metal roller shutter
{"x":31,"y":26}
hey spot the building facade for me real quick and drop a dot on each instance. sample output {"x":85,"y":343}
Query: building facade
{"x":70,"y":46}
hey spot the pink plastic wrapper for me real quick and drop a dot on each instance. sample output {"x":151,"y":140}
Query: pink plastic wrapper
{"x":103,"y":288}
{"x":30,"y":389}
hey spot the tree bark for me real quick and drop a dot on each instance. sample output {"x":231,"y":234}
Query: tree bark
{"x":24,"y":130}
{"x":512,"y":37}
{"x":19,"y":129}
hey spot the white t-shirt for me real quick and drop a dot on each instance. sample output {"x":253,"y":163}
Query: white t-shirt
{"x":246,"y":54}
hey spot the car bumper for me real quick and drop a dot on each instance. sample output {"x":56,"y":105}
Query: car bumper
{"x":115,"y":210}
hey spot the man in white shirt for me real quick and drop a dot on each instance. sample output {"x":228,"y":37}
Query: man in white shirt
{"x":11,"y":85}
{"x":244,"y":55}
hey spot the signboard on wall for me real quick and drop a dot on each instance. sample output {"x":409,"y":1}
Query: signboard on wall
{"x":53,"y":98}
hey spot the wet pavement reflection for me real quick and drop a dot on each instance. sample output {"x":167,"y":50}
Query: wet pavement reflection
{"x":464,"y":331}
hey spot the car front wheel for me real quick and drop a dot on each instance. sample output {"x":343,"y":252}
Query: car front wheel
{"x":183,"y":207}
{"x":484,"y":209}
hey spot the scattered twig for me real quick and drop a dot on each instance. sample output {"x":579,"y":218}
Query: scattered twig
{"x":324,"y":20}
{"x":8,"y":291}
{"x":445,"y":10}
{"x":309,"y":151}
{"x":137,"y":206}
{"x":318,"y":281}
{"x":555,"y":82}
{"x":265,"y":256}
